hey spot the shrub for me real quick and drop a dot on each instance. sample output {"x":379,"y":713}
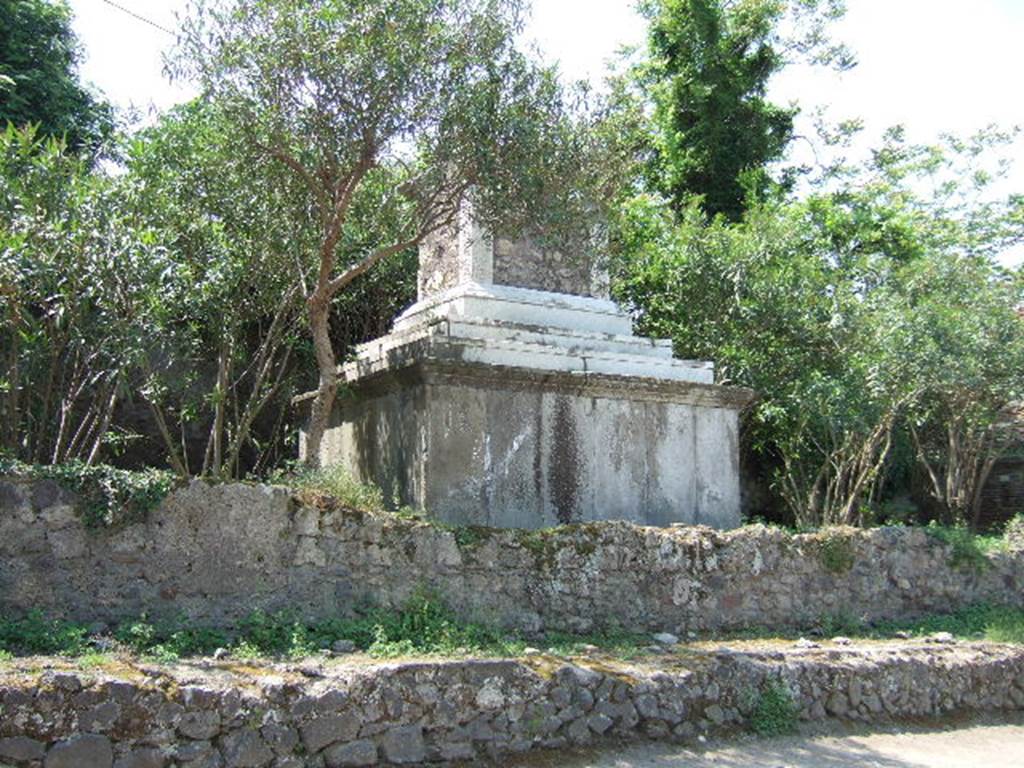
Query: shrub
{"x":968,"y":551}
{"x":107,"y":496}
{"x":835,"y":548}
{"x":36,"y":634}
{"x":774,"y":711}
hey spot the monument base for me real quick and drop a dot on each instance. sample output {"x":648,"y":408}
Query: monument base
{"x":476,"y":444}
{"x":478,"y":417}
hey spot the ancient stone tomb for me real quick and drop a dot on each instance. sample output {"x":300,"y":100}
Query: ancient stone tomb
{"x":514,"y":393}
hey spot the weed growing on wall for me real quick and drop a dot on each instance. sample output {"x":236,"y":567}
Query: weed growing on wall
{"x":835,"y":549}
{"x":968,"y":551}
{"x":774,"y":711}
{"x":107,"y":496}
{"x":332,"y":485}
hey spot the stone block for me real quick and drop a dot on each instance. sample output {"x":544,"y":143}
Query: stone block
{"x":329,"y":729}
{"x":21,"y":749}
{"x":354,"y":753}
{"x":85,"y":751}
{"x":404,"y":745}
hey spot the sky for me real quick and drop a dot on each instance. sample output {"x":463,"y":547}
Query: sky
{"x":932,"y":65}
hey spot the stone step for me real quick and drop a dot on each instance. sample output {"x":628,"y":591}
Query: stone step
{"x":435,"y":342}
{"x":576,"y":342}
{"x":523,"y":306}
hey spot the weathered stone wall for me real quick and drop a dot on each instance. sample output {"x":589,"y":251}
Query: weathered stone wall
{"x":523,"y":263}
{"x":216,"y":552}
{"x":497,"y":447}
{"x":317,"y":714}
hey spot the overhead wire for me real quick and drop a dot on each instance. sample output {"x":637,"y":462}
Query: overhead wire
{"x":139,"y":17}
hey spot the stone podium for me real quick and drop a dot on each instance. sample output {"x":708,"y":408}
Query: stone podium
{"x":513,"y":393}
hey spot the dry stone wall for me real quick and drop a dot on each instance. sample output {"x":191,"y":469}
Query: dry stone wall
{"x":329,"y":715}
{"x":214,"y":553}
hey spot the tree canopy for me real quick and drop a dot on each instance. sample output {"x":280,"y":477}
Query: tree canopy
{"x":411,"y":107}
{"x":709,"y":62}
{"x":39,"y":80}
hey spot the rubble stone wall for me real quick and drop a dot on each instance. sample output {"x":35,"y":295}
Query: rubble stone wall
{"x":214,"y":553}
{"x":351,"y":714}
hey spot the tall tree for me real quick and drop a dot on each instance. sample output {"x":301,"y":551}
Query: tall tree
{"x":343,"y":92}
{"x":709,"y":66}
{"x":39,"y":81}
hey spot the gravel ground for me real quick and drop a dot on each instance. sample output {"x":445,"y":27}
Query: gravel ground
{"x":984,"y":743}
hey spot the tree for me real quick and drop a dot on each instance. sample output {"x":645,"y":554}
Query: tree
{"x":778,"y":314}
{"x":229,"y":319}
{"x":713,"y":131}
{"x":230,"y":353}
{"x":872,"y":307}
{"x":39,"y":81}
{"x":410,"y":106}
{"x":80,"y":274}
{"x":957,"y":333}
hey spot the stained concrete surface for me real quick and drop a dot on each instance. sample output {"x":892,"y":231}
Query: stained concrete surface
{"x":980,"y":743}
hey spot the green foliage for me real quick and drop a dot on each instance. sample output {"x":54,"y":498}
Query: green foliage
{"x":169,"y":640}
{"x":80,"y":284}
{"x":835,"y":549}
{"x":871,"y":311}
{"x":995,"y":623}
{"x":470,"y":536}
{"x":35,"y":634}
{"x":968,"y":550}
{"x":423,"y":625}
{"x":335,"y":484}
{"x":107,"y":496}
{"x":774,"y":712}
{"x":841,"y":623}
{"x":1013,"y":534}
{"x":39,"y":82}
{"x":1005,"y":627}
{"x":229,"y":316}
{"x":615,"y":640}
{"x":714,"y":130}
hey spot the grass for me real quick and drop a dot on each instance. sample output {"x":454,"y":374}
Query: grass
{"x":423,"y":626}
{"x":998,"y":624}
{"x":979,"y":622}
{"x":334,"y":484}
{"x":615,"y":641}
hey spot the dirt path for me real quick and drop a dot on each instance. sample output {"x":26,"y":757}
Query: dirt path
{"x":977,"y":744}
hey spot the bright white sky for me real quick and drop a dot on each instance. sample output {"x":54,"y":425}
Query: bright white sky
{"x":933,"y":65}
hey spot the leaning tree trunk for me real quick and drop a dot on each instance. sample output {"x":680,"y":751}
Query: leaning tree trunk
{"x":323,"y":402}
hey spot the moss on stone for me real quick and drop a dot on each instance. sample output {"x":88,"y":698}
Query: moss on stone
{"x":836,"y":550}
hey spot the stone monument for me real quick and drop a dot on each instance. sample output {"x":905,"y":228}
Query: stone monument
{"x":513,"y":393}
